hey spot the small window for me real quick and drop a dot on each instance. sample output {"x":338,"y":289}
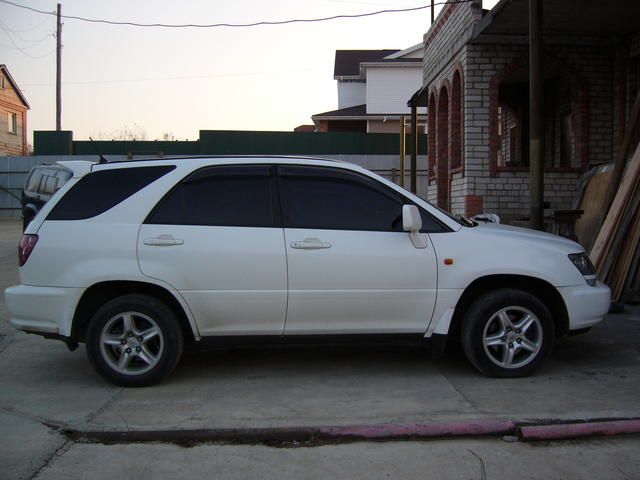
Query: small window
{"x":102,"y":190}
{"x":12,"y":120}
{"x":1,"y":82}
{"x":232,"y":196}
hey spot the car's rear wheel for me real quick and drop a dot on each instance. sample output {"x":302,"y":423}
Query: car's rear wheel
{"x":134,"y":340}
{"x":507,"y":333}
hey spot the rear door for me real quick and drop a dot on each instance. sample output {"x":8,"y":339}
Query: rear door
{"x":351,"y":268}
{"x":217,"y":239}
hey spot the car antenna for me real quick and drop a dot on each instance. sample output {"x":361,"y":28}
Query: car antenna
{"x":102,"y":159}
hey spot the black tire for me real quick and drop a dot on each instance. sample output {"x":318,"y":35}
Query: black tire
{"x":485,"y":316}
{"x":166,"y":345}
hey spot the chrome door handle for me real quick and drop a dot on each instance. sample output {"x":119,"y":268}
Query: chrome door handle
{"x":163,"y":241}
{"x":310,"y":244}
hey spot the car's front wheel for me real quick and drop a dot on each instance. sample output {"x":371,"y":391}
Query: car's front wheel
{"x":134,"y":340}
{"x":507,"y":333}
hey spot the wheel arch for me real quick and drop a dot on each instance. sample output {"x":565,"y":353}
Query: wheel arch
{"x":543,"y":290}
{"x":100,"y":293}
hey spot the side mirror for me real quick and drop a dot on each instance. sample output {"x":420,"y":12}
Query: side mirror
{"x":411,"y":219}
{"x":412,"y":223}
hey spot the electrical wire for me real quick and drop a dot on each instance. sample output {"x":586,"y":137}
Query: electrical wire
{"x":237,"y":25}
{"x":30,"y":28}
{"x":155,"y":79}
{"x":32,"y":43}
{"x":21,"y":50}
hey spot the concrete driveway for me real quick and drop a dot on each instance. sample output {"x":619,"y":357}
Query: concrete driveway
{"x":45,"y":387}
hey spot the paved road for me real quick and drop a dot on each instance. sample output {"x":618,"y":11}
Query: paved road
{"x":590,"y":376}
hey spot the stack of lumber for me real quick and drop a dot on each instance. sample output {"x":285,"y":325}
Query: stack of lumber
{"x":615,"y":252}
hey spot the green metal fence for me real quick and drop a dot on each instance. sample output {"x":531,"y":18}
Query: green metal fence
{"x":230,"y":142}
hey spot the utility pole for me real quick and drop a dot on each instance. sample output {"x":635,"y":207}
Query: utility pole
{"x":59,"y":69}
{"x":432,"y":11}
{"x":536,"y":116}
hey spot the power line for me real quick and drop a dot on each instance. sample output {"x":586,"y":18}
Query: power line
{"x":237,"y":25}
{"x":24,"y":30}
{"x":18,"y":48}
{"x":32,"y":43}
{"x":154,"y":79}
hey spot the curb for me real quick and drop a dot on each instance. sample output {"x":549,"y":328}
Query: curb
{"x":530,"y":431}
{"x":579,"y":430}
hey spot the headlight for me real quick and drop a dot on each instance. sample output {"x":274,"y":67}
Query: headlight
{"x":584,"y":265}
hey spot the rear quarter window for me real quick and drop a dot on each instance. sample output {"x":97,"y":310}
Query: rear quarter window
{"x":100,"y":191}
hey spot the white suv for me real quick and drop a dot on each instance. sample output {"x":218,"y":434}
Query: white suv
{"x":139,"y":259}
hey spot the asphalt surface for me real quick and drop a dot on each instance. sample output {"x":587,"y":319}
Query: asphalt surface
{"x":46,"y":389}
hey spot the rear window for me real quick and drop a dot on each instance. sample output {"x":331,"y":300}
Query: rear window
{"x":100,"y":191}
{"x":46,"y":180}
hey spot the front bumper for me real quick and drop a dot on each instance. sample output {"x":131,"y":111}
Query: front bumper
{"x":45,"y":310}
{"x":586,"y":305}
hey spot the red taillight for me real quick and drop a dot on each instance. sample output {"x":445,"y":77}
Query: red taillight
{"x":27,"y":243}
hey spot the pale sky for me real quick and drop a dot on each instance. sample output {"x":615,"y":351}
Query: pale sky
{"x":180,"y":81}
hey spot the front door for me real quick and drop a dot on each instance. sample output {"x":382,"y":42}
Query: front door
{"x":351,"y":268}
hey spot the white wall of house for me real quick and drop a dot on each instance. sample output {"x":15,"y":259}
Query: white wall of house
{"x":351,"y":93}
{"x":389,"y":88}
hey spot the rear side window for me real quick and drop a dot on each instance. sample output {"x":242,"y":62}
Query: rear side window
{"x":102,"y":190}
{"x":232,"y":196}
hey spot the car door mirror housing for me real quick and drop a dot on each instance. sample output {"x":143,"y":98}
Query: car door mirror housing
{"x":411,"y":219}
{"x":412,"y":223}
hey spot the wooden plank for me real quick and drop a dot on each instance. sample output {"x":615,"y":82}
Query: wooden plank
{"x":624,"y":260}
{"x":588,"y":225}
{"x":612,"y":220}
{"x":634,"y":121}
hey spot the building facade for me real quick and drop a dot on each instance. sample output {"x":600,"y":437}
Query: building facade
{"x":13,"y":116}
{"x":475,"y":86}
{"x":373,"y":86}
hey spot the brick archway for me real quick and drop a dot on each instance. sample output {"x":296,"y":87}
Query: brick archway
{"x":579,"y":114}
{"x":431,"y":135}
{"x":442,"y":146}
{"x":457,"y":124}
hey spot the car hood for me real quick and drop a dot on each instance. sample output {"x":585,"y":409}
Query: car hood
{"x":541,"y":239}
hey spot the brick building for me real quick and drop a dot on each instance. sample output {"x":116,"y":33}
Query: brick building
{"x":13,"y":116}
{"x":475,"y":87}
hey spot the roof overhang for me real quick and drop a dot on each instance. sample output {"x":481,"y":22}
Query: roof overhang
{"x":419,"y":97}
{"x":577,"y":19}
{"x":13,"y":83}
{"x":406,"y":51}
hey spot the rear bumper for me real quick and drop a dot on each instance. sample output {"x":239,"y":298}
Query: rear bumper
{"x":44,"y":310}
{"x":586,"y":305}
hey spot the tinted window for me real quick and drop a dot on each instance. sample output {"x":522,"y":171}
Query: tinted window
{"x":240,"y":196}
{"x":100,"y":191}
{"x":326,"y":198}
{"x":315,"y":197}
